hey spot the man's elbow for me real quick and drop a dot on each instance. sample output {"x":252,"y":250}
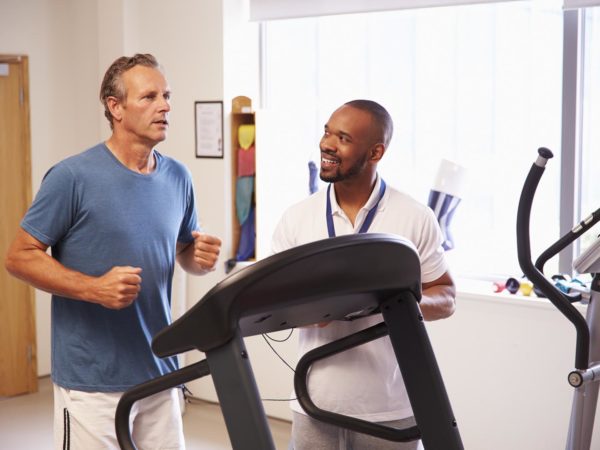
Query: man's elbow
{"x":11,"y":264}
{"x":446,"y":303}
{"x":450,"y":296}
{"x":451,"y":306}
{"x":17,"y":261}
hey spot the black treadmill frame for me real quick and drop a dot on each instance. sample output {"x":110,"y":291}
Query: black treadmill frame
{"x":333,"y":279}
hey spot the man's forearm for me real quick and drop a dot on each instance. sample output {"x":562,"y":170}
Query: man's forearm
{"x":43,"y":272}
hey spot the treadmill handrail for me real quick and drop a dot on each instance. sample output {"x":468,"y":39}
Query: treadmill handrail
{"x":151,"y":387}
{"x":557,"y":298}
{"x":340,"y":420}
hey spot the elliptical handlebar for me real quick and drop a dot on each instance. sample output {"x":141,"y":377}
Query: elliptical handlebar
{"x":558,"y":299}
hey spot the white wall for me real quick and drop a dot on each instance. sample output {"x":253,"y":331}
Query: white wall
{"x":240,"y":77}
{"x":505,"y":362}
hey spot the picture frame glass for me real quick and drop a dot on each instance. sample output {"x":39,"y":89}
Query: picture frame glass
{"x":208,"y":116}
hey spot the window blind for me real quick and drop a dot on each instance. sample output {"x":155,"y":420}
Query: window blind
{"x":287,"y":9}
{"x":574,"y":4}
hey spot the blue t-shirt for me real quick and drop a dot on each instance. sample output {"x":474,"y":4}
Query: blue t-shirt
{"x":95,"y":214}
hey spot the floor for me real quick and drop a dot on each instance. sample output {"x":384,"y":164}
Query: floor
{"x":26,"y":424}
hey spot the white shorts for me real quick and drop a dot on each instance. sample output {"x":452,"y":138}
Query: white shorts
{"x":86,"y":421}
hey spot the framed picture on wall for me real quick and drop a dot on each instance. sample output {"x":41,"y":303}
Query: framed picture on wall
{"x":208,"y":117}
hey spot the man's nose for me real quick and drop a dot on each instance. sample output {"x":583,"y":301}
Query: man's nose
{"x":328,"y":143}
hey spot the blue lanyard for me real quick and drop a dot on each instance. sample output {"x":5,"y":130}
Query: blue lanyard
{"x":370,"y":215}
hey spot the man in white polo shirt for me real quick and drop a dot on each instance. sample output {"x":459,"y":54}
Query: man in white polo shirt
{"x":364,"y":382}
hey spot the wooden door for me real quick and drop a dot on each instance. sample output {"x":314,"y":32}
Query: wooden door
{"x":18,"y":363}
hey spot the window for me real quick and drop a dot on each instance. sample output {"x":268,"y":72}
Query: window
{"x":479,"y":85}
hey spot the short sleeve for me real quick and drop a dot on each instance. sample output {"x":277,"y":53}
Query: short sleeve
{"x":431,"y":252}
{"x":189,"y":222}
{"x":283,"y":235}
{"x":53,"y":212}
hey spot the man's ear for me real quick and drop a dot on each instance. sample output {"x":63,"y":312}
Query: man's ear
{"x":377,"y":152}
{"x":115,"y":107}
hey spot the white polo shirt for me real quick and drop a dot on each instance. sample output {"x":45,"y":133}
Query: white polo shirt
{"x":364,"y":382}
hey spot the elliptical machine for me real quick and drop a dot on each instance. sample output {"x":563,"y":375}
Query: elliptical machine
{"x":586,"y":375}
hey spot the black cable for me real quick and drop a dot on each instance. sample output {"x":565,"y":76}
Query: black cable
{"x":275,"y":351}
{"x":190,"y":398}
{"x":266,"y":337}
{"x":187,"y":394}
{"x":280,"y":340}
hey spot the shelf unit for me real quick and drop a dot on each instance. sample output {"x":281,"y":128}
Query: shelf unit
{"x":241,"y":114}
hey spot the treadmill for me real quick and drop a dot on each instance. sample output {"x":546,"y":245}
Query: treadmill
{"x":341,"y":278}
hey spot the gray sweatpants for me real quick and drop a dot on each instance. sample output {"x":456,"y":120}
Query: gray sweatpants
{"x":310,"y":434}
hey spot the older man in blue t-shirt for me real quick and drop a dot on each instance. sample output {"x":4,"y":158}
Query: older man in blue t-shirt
{"x":116,"y":218}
